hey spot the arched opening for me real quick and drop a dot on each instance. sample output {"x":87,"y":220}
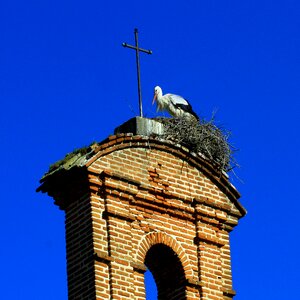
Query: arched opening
{"x":167,"y":272}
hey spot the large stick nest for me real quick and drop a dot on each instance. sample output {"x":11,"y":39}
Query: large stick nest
{"x":201,"y":137}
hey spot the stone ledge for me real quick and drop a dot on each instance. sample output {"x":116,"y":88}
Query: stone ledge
{"x":140,"y":126}
{"x":229,"y":293}
{"x":138,"y":267}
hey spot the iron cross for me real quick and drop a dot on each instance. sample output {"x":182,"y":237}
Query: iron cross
{"x":137,"y":50}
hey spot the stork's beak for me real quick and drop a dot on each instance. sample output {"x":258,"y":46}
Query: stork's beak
{"x":154,"y":98}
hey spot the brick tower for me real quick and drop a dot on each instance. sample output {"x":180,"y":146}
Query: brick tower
{"x":134,"y":202}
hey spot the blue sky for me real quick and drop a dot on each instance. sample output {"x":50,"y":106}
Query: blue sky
{"x":65,"y":81}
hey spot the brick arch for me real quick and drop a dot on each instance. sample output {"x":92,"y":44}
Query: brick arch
{"x":123,"y":141}
{"x":158,"y":237}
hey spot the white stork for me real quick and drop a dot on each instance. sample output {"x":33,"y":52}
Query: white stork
{"x":176,"y":105}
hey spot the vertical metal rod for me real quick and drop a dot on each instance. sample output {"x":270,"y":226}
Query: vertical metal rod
{"x":138,"y":71}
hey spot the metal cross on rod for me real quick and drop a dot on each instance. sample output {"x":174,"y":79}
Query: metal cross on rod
{"x":137,"y":50}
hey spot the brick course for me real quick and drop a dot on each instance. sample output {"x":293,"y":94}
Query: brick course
{"x":135,"y":201}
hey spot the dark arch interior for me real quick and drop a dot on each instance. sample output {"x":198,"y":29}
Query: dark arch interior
{"x":167,"y":271}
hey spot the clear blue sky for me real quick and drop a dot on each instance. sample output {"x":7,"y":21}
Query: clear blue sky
{"x":65,"y":81}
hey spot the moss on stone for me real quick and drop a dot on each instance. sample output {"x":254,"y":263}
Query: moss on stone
{"x":79,"y":152}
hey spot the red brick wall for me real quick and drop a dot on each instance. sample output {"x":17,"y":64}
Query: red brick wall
{"x":79,"y":241}
{"x":150,"y":204}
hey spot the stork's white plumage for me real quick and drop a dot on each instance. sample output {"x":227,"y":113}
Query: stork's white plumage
{"x":176,"y":105}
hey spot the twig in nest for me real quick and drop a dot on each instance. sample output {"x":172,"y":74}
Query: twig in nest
{"x":204,"y":137}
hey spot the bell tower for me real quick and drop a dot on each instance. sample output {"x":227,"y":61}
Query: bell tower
{"x":135,"y":202}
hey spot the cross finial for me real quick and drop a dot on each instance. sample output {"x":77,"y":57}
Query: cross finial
{"x":137,"y":50}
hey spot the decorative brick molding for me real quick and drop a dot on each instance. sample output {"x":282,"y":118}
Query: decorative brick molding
{"x":137,"y":202}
